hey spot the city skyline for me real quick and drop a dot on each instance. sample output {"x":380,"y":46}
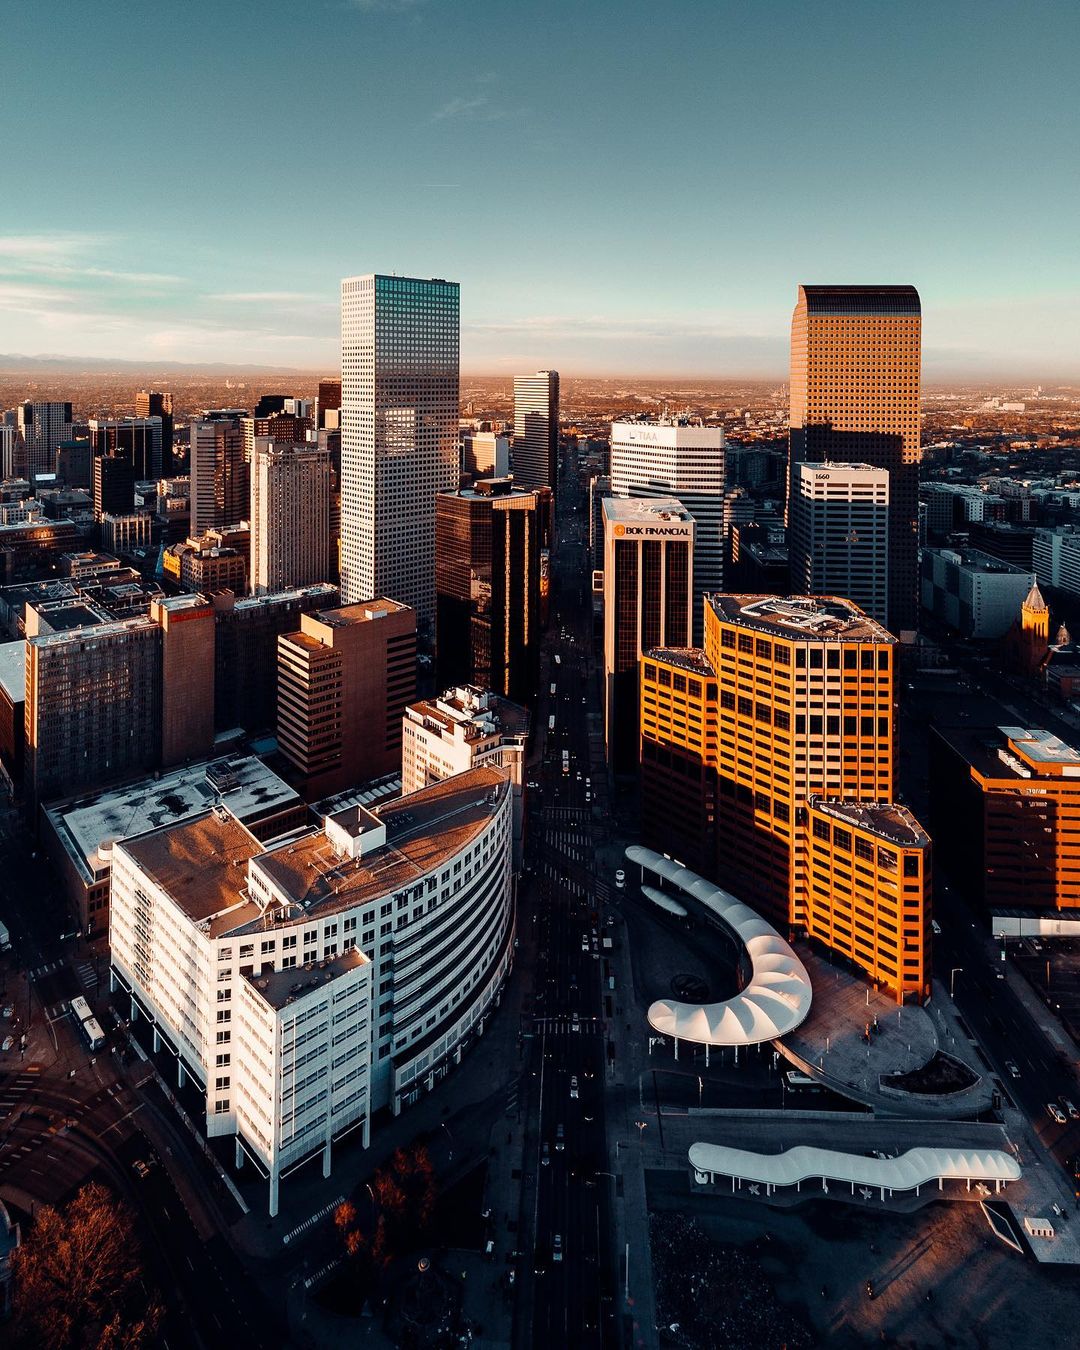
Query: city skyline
{"x":893,"y":170}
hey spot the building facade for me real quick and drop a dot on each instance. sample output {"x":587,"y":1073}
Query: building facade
{"x":344,"y":681}
{"x":306,"y":986}
{"x":40,"y":429}
{"x":855,"y":389}
{"x":488,"y":556}
{"x":683,"y":459}
{"x":290,"y":516}
{"x":972,"y":593}
{"x":220,"y":475}
{"x":838,"y":527}
{"x":1005,"y":808}
{"x":536,"y":429}
{"x":648,"y":602}
{"x":157,"y":403}
{"x":464,"y":727}
{"x":790,"y":702}
{"x":137,"y":439}
{"x":399,"y":434}
{"x":187,"y":676}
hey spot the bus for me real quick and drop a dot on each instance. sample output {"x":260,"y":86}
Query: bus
{"x":88,"y":1023}
{"x":800,"y":1080}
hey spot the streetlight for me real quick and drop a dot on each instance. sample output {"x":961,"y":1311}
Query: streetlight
{"x":956,"y":970}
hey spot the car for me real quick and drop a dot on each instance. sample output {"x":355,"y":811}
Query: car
{"x":560,"y":1139}
{"x":583,"y":698}
{"x":9,"y":1012}
{"x":1010,"y":1064}
{"x":1074,"y":1114}
{"x":936,"y":927}
{"x":545,"y":1155}
{"x":9,"y":1041}
{"x":573,"y":1088}
{"x":1057,"y":1209}
{"x":620,"y":878}
{"x":140,"y":1169}
{"x":584,"y":944}
{"x":556,"y":1247}
{"x":1055,"y":1113}
{"x":575,"y":1024}
{"x":588,"y":781}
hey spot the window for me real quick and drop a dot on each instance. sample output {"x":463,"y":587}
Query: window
{"x":911,"y":865}
{"x":727,"y":638}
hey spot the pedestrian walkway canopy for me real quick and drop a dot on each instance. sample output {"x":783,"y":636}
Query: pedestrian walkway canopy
{"x":917,"y":1167}
{"x":775,"y":999}
{"x":664,"y":901}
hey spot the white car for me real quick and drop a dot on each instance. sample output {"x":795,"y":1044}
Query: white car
{"x":588,"y":796}
{"x":573,"y":1088}
{"x":620,"y":878}
{"x":1055,"y":1112}
{"x":935,"y":926}
{"x":556,"y":1248}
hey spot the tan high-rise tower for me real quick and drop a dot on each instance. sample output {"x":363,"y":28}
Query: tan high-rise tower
{"x":855,"y":382}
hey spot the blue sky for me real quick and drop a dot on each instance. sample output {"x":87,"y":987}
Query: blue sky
{"x":619,"y":186}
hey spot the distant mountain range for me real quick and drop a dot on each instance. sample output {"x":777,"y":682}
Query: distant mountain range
{"x":15,"y":364}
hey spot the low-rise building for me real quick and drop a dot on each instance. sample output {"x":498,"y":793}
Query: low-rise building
{"x":306,"y":986}
{"x":79,"y":833}
{"x":1005,"y":810}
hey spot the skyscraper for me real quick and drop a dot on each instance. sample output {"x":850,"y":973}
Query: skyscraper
{"x":487,"y":582}
{"x":155,"y":403}
{"x":40,"y":428}
{"x":839,"y":533}
{"x":290,"y":516}
{"x":140,"y":438}
{"x":677,"y":458}
{"x":328,"y":405}
{"x":648,"y":602}
{"x":399,"y":433}
{"x":219,"y":474}
{"x":187,"y":676}
{"x":767,"y":759}
{"x":113,"y":484}
{"x":855,"y":382}
{"x":536,"y":429}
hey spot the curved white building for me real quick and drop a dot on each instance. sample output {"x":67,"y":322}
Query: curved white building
{"x":775,"y":999}
{"x":307,"y":985}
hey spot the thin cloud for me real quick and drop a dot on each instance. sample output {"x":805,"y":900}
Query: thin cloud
{"x":384,"y":6}
{"x":38,"y":246}
{"x":463,"y":107}
{"x":269,"y":298}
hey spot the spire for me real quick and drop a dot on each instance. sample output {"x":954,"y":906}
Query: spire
{"x":1064,"y":637}
{"x":1035,"y":602}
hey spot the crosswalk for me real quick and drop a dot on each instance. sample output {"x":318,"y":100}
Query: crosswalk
{"x":512,"y":1094}
{"x":87,"y":974}
{"x":563,"y":1025}
{"x":40,"y":972}
{"x":13,"y":1090}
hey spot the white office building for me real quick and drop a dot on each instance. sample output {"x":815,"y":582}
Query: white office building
{"x":39,"y":430}
{"x":1056,"y":559}
{"x":678,"y":458}
{"x":975,"y":594}
{"x":399,"y":434}
{"x":460,"y":729}
{"x":219,"y":473}
{"x":485,"y":454}
{"x":290,"y":515}
{"x":305,"y":985}
{"x":536,"y":429}
{"x":839,"y":534}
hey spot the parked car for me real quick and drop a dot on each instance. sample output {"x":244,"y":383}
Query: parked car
{"x":1055,"y":1112}
{"x":1010,"y":1064}
{"x":1074,"y":1114}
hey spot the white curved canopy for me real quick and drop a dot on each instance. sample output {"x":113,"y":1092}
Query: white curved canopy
{"x":664,"y":901}
{"x":777,"y":996}
{"x":916,"y":1167}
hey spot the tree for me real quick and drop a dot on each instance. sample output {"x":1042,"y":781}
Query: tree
{"x":78,"y":1279}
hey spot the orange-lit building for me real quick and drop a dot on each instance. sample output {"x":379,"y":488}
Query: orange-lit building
{"x":1005,"y":805}
{"x":790,"y":701}
{"x":855,"y":387}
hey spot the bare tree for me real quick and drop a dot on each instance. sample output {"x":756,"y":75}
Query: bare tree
{"x":78,"y":1279}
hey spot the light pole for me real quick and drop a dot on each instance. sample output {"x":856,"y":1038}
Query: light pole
{"x":700,"y":1087}
{"x":956,"y":970}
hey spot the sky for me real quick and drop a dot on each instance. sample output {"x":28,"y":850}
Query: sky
{"x":620,"y":186}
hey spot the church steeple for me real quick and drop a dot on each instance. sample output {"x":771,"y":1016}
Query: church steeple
{"x":1035,"y":615}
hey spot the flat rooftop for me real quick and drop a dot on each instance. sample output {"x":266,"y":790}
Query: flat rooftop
{"x":887,"y":819}
{"x":282,"y":987}
{"x":818,"y":618}
{"x":687,"y":658}
{"x":422,"y":830}
{"x":974,"y":560}
{"x":644,"y":510}
{"x":242,"y":783}
{"x":987,"y":750}
{"x":202,"y":865}
{"x":1042,"y":747}
{"x":362,"y":612}
{"x":13,"y":670}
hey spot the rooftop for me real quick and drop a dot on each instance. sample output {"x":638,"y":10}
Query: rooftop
{"x":974,"y":560}
{"x":87,"y":823}
{"x":476,"y":712}
{"x":886,"y":819}
{"x":361,"y":612}
{"x":422,"y":830}
{"x":281,"y":987}
{"x":686,"y":658}
{"x":819,"y":618}
{"x":13,"y":670}
{"x":644,"y":510}
{"x":861,"y":299}
{"x":1013,"y":752}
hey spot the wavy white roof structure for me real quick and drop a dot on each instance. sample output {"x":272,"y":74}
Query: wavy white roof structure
{"x":916,"y":1167}
{"x":777,"y":996}
{"x":664,"y":901}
